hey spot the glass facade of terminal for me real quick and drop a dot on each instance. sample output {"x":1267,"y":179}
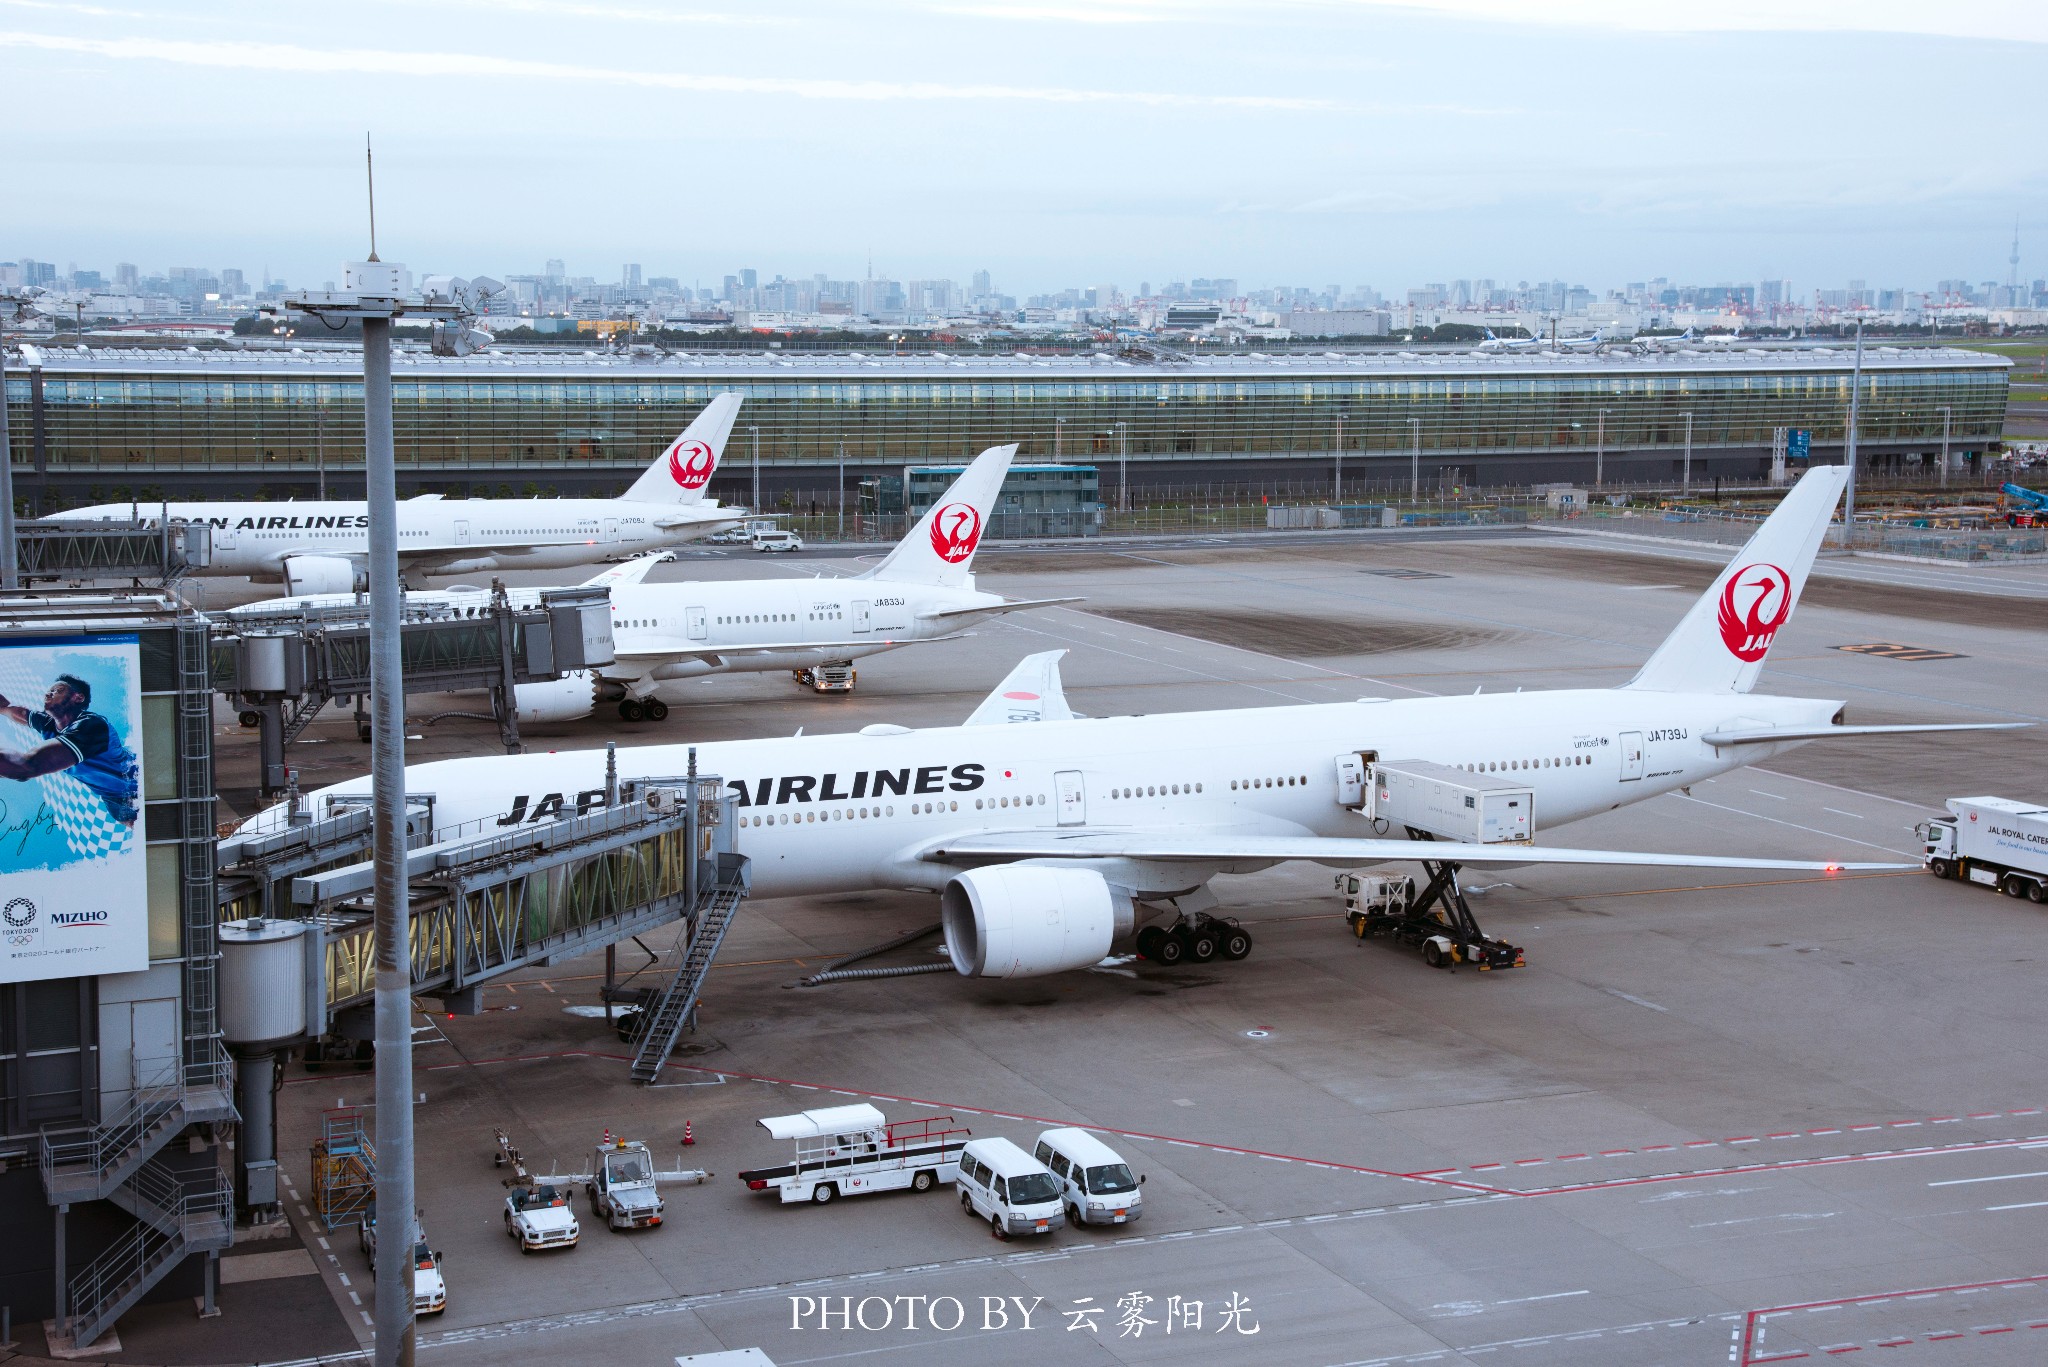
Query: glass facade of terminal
{"x":129,"y":423}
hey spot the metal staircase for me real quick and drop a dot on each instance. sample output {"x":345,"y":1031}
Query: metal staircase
{"x":177,"y":1213}
{"x":698,"y":943}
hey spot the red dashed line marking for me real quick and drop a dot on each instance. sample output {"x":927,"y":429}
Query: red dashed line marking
{"x":1756,"y":1322}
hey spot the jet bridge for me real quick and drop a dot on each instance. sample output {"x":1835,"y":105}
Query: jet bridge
{"x":150,"y":549}
{"x":486,"y":901}
{"x":285,"y":667}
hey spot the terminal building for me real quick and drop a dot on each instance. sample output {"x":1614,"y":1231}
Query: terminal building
{"x":93,"y":425}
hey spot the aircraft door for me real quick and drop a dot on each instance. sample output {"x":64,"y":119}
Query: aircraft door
{"x":611,"y":530}
{"x":695,"y":617}
{"x":224,"y":538}
{"x":1631,"y":755}
{"x":461,"y":531}
{"x":860,"y":616}
{"x":1073,"y":809}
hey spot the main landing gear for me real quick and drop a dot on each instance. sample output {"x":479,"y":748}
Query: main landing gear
{"x":1438,"y":920}
{"x":642,"y":709}
{"x":1197,"y":939}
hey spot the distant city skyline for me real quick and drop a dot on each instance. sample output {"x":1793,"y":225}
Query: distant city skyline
{"x":1052,"y":143}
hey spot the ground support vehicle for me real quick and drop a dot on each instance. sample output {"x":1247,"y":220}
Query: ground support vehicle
{"x":429,"y":1287}
{"x":1996,"y":841}
{"x":537,"y":1213}
{"x":1007,"y":1187}
{"x":771,"y":543}
{"x":854,"y":1150}
{"x":832,"y":678}
{"x":539,"y":1217}
{"x":1095,"y":1182}
{"x":1196,"y":939}
{"x":1437,"y":920}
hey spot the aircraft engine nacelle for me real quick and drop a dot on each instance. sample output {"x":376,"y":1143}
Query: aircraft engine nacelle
{"x":1026,"y":920}
{"x":569,"y":698}
{"x":310,"y":574}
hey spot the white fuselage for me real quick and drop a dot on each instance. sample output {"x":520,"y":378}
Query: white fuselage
{"x":666,"y":632}
{"x":845,"y":812}
{"x":449,"y":536}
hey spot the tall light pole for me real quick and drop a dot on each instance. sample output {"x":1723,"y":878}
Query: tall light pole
{"x":1686,"y":486}
{"x":10,"y":552}
{"x":1414,"y":460}
{"x":1849,"y":447}
{"x":372,"y":297}
{"x":1337,"y":483}
{"x":1944,"y":445}
{"x":1123,"y":467}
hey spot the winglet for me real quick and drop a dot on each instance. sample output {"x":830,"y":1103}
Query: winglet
{"x":1031,"y":692}
{"x":1720,"y":645}
{"x":681,"y":473}
{"x":940,"y":548}
{"x":631,"y":572}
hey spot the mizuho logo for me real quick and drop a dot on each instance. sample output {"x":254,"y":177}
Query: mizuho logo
{"x":18,"y":912}
{"x":78,"y":919}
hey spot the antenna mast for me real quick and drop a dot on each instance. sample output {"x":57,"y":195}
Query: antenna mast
{"x":370,"y":173}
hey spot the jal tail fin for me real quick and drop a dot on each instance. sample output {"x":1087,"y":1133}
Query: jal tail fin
{"x":940,"y":549}
{"x":1720,"y":645}
{"x":682,"y":472}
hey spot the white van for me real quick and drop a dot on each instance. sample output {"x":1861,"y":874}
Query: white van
{"x":1004,"y":1185}
{"x":771,"y":543}
{"x":1096,"y":1185}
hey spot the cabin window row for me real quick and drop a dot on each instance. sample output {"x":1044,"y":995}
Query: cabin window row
{"x":1288,"y":781}
{"x":1158,"y":790}
{"x":830,"y":814}
{"x":1495,"y":766}
{"x":1028,"y":800}
{"x":741,"y":619}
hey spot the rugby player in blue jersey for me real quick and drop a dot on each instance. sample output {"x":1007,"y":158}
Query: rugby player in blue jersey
{"x":78,"y":740}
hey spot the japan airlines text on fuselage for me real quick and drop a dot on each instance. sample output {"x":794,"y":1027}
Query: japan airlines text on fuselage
{"x":836,"y":813}
{"x":321,"y":546}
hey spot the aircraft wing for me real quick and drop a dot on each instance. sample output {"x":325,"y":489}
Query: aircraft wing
{"x":1221,"y":847}
{"x":1008,"y":605}
{"x":1765,"y":735}
{"x":631,"y":572}
{"x":1030,"y":692}
{"x":695,"y":650}
{"x":697,"y":515}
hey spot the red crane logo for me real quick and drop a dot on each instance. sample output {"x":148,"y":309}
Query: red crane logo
{"x":956,"y":531}
{"x":690,"y":463}
{"x":1755,"y":603}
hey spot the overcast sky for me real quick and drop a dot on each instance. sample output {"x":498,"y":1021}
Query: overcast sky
{"x":1053,"y":142}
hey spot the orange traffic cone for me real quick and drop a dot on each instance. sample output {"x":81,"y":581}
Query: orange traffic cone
{"x":688,"y":1138}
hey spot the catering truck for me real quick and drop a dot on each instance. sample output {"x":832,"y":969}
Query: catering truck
{"x":1997,"y":841}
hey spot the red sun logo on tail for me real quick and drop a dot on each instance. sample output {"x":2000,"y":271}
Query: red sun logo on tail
{"x":1755,"y":603}
{"x":956,"y":531}
{"x":690,"y":463}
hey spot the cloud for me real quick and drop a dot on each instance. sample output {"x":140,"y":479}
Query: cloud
{"x":279,"y":57}
{"x":2018,"y":21}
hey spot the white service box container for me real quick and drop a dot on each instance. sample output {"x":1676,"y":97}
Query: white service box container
{"x":1451,"y":804}
{"x":2000,"y":830}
